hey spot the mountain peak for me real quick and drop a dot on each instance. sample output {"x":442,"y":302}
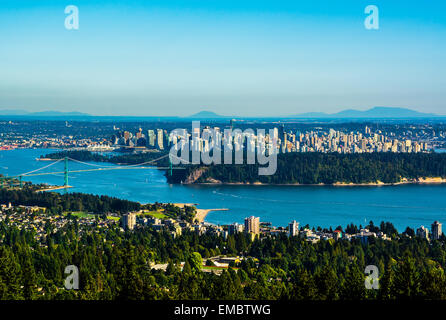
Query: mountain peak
{"x":375,"y":112}
{"x":206,"y":115}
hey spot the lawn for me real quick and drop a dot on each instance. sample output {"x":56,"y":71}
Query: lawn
{"x":81,"y":214}
{"x":155,"y":214}
{"x":217,"y":268}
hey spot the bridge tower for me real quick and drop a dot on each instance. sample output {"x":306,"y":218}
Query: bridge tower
{"x":170,"y":167}
{"x":66,"y":173}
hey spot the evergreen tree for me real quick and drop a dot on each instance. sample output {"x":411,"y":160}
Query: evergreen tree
{"x":353,"y":287}
{"x":407,"y":279}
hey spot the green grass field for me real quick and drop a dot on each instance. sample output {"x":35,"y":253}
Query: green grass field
{"x":82,"y":214}
{"x":155,"y":214}
{"x":217,"y":268}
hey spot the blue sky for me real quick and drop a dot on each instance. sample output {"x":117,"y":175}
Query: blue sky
{"x":247,"y":58}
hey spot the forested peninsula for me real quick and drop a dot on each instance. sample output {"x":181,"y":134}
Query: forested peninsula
{"x":310,"y":168}
{"x":321,"y":168}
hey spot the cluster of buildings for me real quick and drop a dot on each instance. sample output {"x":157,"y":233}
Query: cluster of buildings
{"x":351,"y":142}
{"x":219,"y":263}
{"x":42,"y":142}
{"x":325,"y":141}
{"x":157,"y":139}
{"x":175,"y":227}
{"x":436,"y":233}
{"x":254,"y":227}
{"x":34,"y":218}
{"x":363,"y":235}
{"x":22,"y":135}
{"x":95,"y":137}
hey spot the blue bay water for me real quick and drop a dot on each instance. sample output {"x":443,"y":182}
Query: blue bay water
{"x":325,"y":206}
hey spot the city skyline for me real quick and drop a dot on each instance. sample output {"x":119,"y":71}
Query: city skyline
{"x":244,"y":58}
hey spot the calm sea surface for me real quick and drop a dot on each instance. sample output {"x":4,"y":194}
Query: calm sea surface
{"x":404,"y":205}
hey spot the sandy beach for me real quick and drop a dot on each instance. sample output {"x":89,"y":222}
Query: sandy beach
{"x":202,"y":213}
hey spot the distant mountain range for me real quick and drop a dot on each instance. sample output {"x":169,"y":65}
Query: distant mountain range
{"x":19,"y":112}
{"x":373,"y":113}
{"x":376,"y":112}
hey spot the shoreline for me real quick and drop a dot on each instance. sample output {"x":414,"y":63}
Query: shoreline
{"x":419,"y":181}
{"x":53,"y":188}
{"x":202,"y":213}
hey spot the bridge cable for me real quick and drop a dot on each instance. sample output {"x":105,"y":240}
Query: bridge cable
{"x":51,"y":164}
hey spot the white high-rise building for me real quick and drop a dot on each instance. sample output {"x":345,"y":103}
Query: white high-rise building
{"x":252,"y":225}
{"x":129,"y":221}
{"x":160,"y":139}
{"x":293,"y":229}
{"x":436,"y":230}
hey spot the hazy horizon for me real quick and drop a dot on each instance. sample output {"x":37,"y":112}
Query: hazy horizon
{"x":244,"y":58}
{"x":10,"y":112}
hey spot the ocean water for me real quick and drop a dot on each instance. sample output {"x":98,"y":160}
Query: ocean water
{"x":325,"y":206}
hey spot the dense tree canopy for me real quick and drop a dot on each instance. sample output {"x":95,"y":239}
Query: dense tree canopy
{"x":317,"y":168}
{"x":116,"y":265}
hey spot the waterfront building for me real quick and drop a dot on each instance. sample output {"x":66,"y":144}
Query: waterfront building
{"x":160,"y":139}
{"x":436,"y":230}
{"x":139,"y":134}
{"x":293,"y":228}
{"x":252,"y":225}
{"x":151,"y":137}
{"x":364,"y":235}
{"x":235,"y":228}
{"x":423,"y":233}
{"x":337,"y":234}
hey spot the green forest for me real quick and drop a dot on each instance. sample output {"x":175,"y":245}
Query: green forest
{"x":322,"y":168}
{"x":116,"y":265}
{"x":57,"y":203}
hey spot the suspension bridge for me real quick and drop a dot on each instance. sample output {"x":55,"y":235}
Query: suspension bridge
{"x":17,"y":180}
